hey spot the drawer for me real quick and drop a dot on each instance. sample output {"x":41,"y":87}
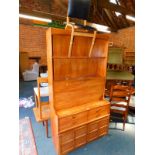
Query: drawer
{"x":81,"y":131}
{"x":66,"y":137}
{"x":98,"y":112}
{"x":80,"y":118}
{"x":103,"y":131}
{"x":80,"y":141}
{"x":67,"y":147}
{"x":103,"y":122}
{"x":92,"y":126}
{"x":91,"y":136}
{"x":65,"y":123}
{"x":73,"y":120}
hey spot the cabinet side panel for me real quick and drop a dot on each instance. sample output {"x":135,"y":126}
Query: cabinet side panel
{"x":54,"y":119}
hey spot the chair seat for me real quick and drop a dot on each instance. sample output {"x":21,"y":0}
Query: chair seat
{"x":117,"y":108}
{"x":118,"y":103}
{"x":43,"y":91}
{"x":132,"y":101}
{"x":45,"y":113}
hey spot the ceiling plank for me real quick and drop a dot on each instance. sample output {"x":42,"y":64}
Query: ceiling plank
{"x":114,"y":7}
{"x":41,"y":14}
{"x":111,"y":19}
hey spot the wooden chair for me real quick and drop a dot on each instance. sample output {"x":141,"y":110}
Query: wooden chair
{"x":42,"y":109}
{"x":119,"y":100}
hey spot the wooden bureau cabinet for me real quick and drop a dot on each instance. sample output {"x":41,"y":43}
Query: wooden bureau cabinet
{"x":76,"y":76}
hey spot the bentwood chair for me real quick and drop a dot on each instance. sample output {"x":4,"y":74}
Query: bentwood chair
{"x":119,"y":100}
{"x":42,"y":109}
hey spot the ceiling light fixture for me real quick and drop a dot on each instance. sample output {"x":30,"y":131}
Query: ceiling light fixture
{"x":101,"y":28}
{"x":35,"y":18}
{"x":117,"y":14}
{"x":130,"y":17}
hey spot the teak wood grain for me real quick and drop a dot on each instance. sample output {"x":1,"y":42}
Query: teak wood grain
{"x":79,"y":112}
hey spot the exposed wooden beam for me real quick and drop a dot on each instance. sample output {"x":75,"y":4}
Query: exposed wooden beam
{"x":108,"y":22}
{"x":111,"y":19}
{"x":41,"y":14}
{"x":127,"y":23}
{"x":114,"y":7}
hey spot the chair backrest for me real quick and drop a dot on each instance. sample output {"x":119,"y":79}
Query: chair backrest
{"x":120,"y":93}
{"x":35,"y":67}
{"x":41,"y":80}
{"x":115,"y":56}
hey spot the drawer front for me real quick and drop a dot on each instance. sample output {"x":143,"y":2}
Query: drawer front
{"x":66,"y":137}
{"x":103,"y":122}
{"x":65,"y":123}
{"x":92,"y":126}
{"x":91,"y":136}
{"x":67,"y":147}
{"x":80,"y":141}
{"x":80,"y":118}
{"x":81,"y":131}
{"x":98,"y":112}
{"x":103,"y":131}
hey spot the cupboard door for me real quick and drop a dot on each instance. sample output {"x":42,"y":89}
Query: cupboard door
{"x":91,"y":136}
{"x":93,"y":127}
{"x":81,"y":131}
{"x":80,"y":141}
{"x":65,"y":123}
{"x":67,"y":147}
{"x":103,"y":131}
{"x":67,"y":137}
{"x":80,"y":118}
{"x":98,"y":112}
{"x":103,"y":122}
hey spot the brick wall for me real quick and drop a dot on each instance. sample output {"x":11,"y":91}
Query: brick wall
{"x":33,"y":41}
{"x":125,"y":38}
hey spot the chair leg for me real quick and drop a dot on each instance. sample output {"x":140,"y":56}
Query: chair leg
{"x":36,"y":100}
{"x":124,"y":121}
{"x":43,"y":123}
{"x":46,"y":125}
{"x":123,"y":125}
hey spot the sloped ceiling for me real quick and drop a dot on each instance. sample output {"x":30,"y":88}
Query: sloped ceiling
{"x":102,"y":11}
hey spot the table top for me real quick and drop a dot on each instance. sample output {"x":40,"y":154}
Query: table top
{"x":119,"y":75}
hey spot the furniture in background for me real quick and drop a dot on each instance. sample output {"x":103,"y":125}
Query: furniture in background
{"x":76,"y":76}
{"x":44,"y":75}
{"x":42,"y":68}
{"x":42,"y":109}
{"x":35,"y":58}
{"x":117,"y":71}
{"x":132,"y":100}
{"x":30,"y":75}
{"x":119,"y":102}
{"x":23,"y":62}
